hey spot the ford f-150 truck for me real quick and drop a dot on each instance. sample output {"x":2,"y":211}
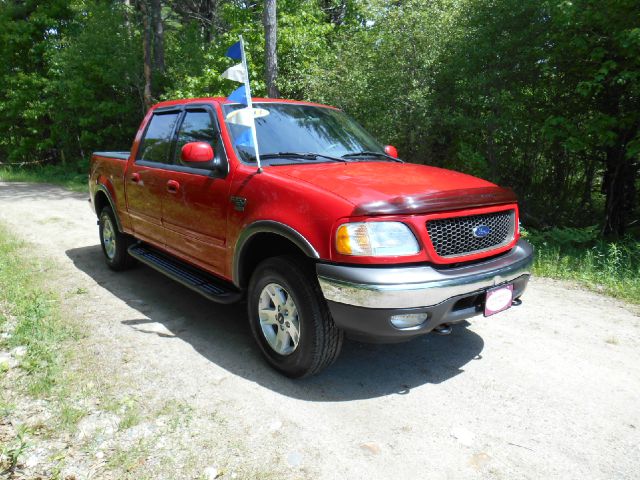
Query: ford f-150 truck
{"x":332,"y":236}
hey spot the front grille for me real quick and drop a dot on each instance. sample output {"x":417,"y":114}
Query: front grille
{"x":454,"y":237}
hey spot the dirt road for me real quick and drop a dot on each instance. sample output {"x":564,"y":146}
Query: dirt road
{"x":550,"y":389}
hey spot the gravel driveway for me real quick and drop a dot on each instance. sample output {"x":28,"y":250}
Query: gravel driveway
{"x":550,"y":389}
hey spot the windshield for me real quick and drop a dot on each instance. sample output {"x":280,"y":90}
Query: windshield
{"x":293,"y":128}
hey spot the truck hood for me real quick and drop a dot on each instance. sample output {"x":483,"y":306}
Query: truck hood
{"x":377,"y":188}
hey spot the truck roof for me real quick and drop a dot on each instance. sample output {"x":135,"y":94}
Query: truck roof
{"x":184,"y":101}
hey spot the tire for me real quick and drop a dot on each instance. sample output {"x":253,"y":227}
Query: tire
{"x":114,"y":243}
{"x":293,"y":284}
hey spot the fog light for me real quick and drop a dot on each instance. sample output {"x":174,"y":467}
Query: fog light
{"x":408,"y":320}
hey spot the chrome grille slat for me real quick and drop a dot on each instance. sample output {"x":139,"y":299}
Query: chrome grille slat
{"x":454,"y":237}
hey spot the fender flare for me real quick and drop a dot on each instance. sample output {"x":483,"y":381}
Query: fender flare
{"x":102,"y":188}
{"x":269,"y":226}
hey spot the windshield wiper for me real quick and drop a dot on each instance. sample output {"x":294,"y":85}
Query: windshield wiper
{"x":371,"y":154}
{"x":303,"y":155}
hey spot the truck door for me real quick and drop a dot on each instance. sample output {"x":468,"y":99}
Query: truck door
{"x":194,"y":211}
{"x":146,"y":177}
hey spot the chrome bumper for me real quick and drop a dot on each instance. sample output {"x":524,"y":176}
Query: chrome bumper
{"x":413,"y":287}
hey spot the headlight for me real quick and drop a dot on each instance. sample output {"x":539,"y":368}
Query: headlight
{"x":376,"y":239}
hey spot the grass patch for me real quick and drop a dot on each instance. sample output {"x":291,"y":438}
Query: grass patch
{"x":12,"y":451}
{"x":130,"y":459}
{"x":70,"y":416}
{"x":178,"y":413}
{"x":73,"y":177}
{"x":6,"y":407}
{"x":56,"y":367}
{"x":30,"y":315}
{"x":575,"y":254}
{"x":130,"y":414}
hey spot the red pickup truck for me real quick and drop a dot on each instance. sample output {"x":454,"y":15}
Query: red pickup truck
{"x":334,"y":235}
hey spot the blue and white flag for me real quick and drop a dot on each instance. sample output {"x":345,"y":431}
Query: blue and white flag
{"x":246,"y":116}
{"x":235,"y":51}
{"x":245,"y":139}
{"x":239,"y":95}
{"x":235,"y":73}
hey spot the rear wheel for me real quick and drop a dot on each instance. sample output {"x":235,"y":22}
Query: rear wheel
{"x":289,"y":318}
{"x":114,"y":243}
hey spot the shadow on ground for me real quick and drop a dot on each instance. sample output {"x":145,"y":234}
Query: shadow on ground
{"x":221,"y":334}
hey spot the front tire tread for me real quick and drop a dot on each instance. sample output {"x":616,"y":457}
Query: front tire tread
{"x":299,"y":278}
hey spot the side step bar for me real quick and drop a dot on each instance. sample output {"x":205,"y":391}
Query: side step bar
{"x":205,"y":284}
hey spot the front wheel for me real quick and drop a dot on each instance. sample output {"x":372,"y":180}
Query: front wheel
{"x":289,"y":318}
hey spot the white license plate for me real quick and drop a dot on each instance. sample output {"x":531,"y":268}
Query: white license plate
{"x":498,"y":299}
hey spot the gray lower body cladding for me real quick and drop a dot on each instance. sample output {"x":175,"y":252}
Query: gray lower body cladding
{"x":363,"y":300}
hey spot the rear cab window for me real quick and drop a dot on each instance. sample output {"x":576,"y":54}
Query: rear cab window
{"x":156,"y":145}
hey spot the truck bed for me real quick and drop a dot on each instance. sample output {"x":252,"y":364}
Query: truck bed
{"x":107,"y":169}
{"x":116,"y":155}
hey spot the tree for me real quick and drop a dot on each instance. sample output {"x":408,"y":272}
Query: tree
{"x":158,"y":36}
{"x":540,"y":95}
{"x":152,"y":49}
{"x":543,"y":96}
{"x":146,"y":54}
{"x":96,"y":82}
{"x":598,"y":56}
{"x":29,"y":32}
{"x":271,"y":57}
{"x":206,"y":13}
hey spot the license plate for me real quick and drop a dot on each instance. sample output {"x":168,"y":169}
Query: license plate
{"x":498,"y":299}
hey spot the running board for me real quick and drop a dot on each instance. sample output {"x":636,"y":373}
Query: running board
{"x":205,"y":284}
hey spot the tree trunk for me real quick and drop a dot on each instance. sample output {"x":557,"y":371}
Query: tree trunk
{"x":620,"y":190}
{"x":618,"y":183}
{"x":208,"y":24}
{"x":589,"y":174}
{"x":127,"y":20}
{"x":271,"y":56}
{"x":158,"y":36}
{"x":146,"y":48}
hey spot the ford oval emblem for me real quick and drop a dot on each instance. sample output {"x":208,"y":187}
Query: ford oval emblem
{"x":481,"y":231}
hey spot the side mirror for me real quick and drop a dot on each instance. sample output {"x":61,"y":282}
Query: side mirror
{"x":196,"y":152}
{"x":391,"y":151}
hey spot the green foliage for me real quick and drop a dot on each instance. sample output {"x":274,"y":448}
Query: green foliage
{"x":566,"y":237}
{"x":73,"y":177}
{"x":542,"y":96}
{"x":29,"y":32}
{"x":97,"y":76}
{"x":578,"y":254}
{"x":539,"y":96}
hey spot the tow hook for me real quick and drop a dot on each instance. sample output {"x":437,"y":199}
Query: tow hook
{"x":444,"y":329}
{"x":516,"y":302}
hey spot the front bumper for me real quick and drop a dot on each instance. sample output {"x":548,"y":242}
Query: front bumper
{"x":363,"y":299}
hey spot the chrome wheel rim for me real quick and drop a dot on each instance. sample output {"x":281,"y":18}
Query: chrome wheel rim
{"x":279,"y":319}
{"x":108,"y":237}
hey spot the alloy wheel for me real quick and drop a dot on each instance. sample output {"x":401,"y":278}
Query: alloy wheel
{"x":279,"y":319}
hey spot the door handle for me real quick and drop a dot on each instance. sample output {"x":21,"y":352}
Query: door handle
{"x":173,"y":186}
{"x":135,"y":177}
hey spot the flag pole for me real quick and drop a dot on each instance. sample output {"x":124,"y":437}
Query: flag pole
{"x":247,"y":90}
